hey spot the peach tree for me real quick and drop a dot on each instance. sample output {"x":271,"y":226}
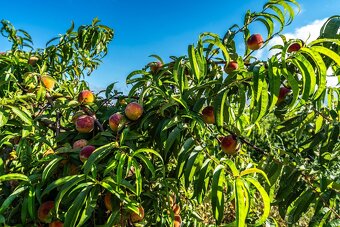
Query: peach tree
{"x":210,"y":137}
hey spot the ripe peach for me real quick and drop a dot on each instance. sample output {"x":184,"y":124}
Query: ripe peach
{"x":44,"y":211}
{"x":208,"y":115}
{"x":85,"y":96}
{"x":294,"y":47}
{"x":155,"y":66}
{"x":177,"y":221}
{"x":76,"y":115}
{"x":107,"y":201}
{"x":133,"y":111}
{"x":283,"y":93}
{"x":254,"y":42}
{"x":85,"y":124}
{"x":177,"y":209}
{"x":56,"y":224}
{"x":48,"y":82}
{"x":115,"y":121}
{"x":231,"y":67}
{"x":85,"y":152}
{"x":229,"y":144}
{"x":137,"y":217}
{"x":33,"y":60}
{"x":79,"y":143}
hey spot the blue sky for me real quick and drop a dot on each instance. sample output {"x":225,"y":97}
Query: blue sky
{"x":145,"y":27}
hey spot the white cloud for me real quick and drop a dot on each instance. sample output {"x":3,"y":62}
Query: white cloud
{"x":306,"y":33}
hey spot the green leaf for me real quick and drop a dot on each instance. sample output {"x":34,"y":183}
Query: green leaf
{"x":232,"y":167}
{"x":3,"y":118}
{"x":242,"y":201}
{"x":22,"y":115}
{"x":65,"y":190}
{"x":120,"y":167}
{"x":193,"y":61}
{"x":14,"y":176}
{"x":266,"y":201}
{"x":203,"y":179}
{"x":274,"y":74}
{"x":255,"y":170}
{"x":147,"y":162}
{"x":217,"y":196}
{"x":138,"y":182}
{"x":90,"y":205}
{"x":98,"y":155}
{"x":193,"y":162}
{"x":320,"y":65}
{"x":51,"y":166}
{"x":8,"y":201}
{"x":73,"y":212}
{"x":31,"y":203}
{"x":329,"y":53}
{"x":300,"y":205}
{"x":219,"y":109}
{"x":308,"y":76}
{"x":59,"y":182}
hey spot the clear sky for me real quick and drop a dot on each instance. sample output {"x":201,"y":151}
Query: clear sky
{"x":144,"y":27}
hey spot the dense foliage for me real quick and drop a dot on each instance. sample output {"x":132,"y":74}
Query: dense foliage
{"x":265,"y":151}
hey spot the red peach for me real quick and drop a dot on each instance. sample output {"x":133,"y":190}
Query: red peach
{"x":177,"y":221}
{"x":79,"y":143}
{"x":107,"y":201}
{"x":208,"y":115}
{"x":137,"y":217}
{"x":294,"y":47}
{"x":44,"y":211}
{"x":231,"y":67}
{"x":85,"y":152}
{"x":254,"y":42}
{"x":86,"y":96}
{"x":229,"y":144}
{"x":85,"y":124}
{"x":133,"y":111}
{"x":177,"y":209}
{"x":283,"y":93}
{"x":155,"y":66}
{"x":115,"y":121}
{"x":56,"y":224}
